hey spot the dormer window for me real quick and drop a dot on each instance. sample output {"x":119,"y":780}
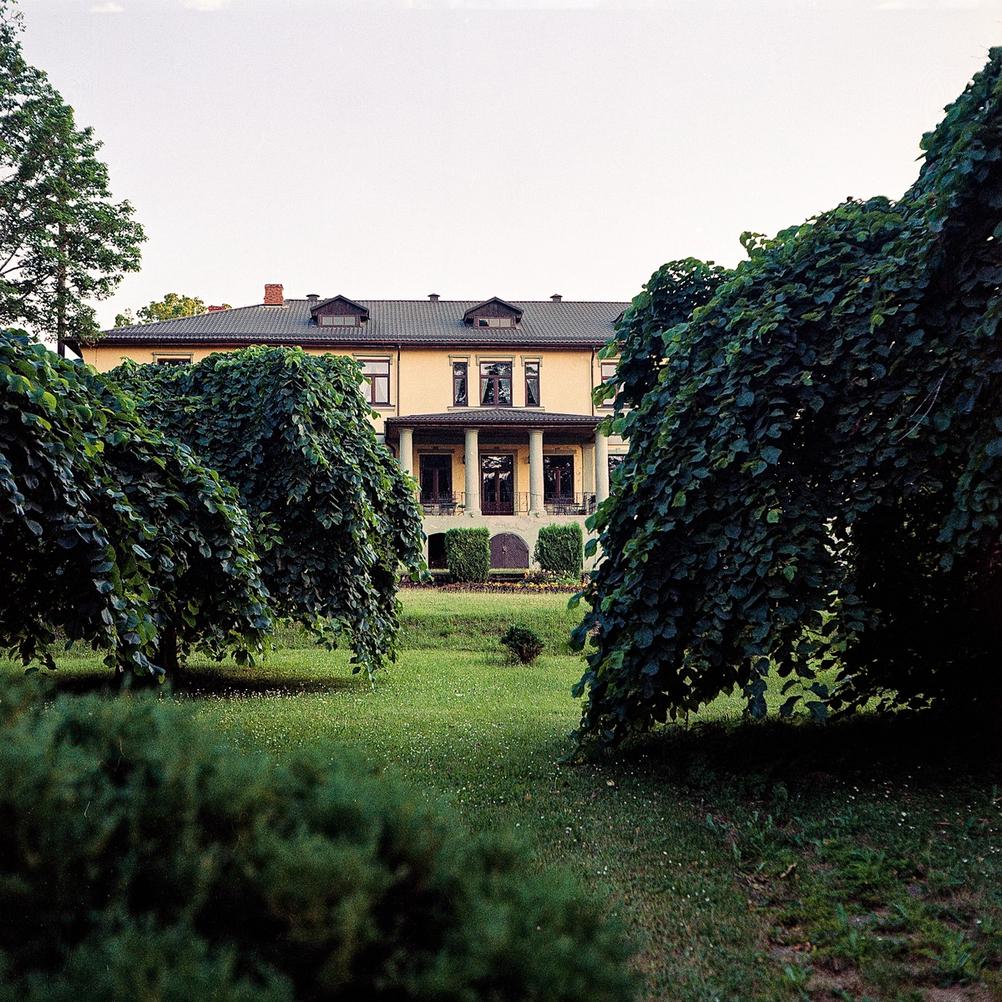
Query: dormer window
{"x":493,"y":313}
{"x":338,"y":311}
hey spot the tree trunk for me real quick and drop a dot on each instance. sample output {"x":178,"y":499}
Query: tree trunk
{"x":167,"y":652}
{"x":61,"y":293}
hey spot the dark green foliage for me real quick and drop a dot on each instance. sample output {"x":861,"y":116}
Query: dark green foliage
{"x":334,"y":515}
{"x":110,"y":533}
{"x":143,"y":858}
{"x":468,"y":554}
{"x":522,"y":644}
{"x":63,"y":241}
{"x":814,"y":479}
{"x":559,"y":549}
{"x":668,"y":299}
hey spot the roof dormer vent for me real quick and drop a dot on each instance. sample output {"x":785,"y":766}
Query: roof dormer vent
{"x":433,"y":297}
{"x":312,"y":299}
{"x":556,"y":297}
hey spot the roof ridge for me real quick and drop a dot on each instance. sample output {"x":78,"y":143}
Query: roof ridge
{"x":439,"y":302}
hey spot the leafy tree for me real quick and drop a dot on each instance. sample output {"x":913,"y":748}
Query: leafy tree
{"x":112,"y":534}
{"x":172,"y":306}
{"x":334,"y":514}
{"x":813,"y":479}
{"x":63,"y":240}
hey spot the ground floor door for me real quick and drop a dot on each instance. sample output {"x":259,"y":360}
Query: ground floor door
{"x":497,"y":484}
{"x":436,"y":478}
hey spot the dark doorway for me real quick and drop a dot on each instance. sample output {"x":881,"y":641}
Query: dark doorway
{"x":497,"y":484}
{"x":436,"y":478}
{"x":558,"y":479}
{"x":509,"y":551}
{"x":436,"y":551}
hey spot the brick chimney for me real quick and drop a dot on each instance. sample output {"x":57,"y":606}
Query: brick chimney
{"x":215,"y":309}
{"x":273,"y":295}
{"x":433,"y":296}
{"x":556,"y":297}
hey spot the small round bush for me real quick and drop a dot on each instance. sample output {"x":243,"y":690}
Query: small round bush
{"x":143,"y":857}
{"x":523,"y":644}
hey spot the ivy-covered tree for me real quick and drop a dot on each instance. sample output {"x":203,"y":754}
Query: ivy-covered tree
{"x":815,"y":466}
{"x":172,"y":306}
{"x":63,"y":240}
{"x":334,"y":514}
{"x":112,"y":534}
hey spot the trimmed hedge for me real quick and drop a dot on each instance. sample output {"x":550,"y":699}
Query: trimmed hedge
{"x":145,"y":858}
{"x":560,"y":548}
{"x":468,"y":554}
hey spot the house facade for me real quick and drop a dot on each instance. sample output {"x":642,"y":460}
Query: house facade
{"x":488,"y":404}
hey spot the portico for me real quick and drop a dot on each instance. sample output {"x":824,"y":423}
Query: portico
{"x":509,"y":462}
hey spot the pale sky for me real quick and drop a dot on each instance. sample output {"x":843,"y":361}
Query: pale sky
{"x":513,"y":148}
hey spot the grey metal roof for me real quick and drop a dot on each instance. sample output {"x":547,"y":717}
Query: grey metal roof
{"x":482,"y":417}
{"x":391,"y":322}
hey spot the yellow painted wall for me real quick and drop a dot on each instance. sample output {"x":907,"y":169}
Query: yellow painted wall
{"x":422,"y":381}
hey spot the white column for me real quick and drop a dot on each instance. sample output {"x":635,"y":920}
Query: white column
{"x":472,"y":471}
{"x":588,"y":468}
{"x":601,"y":467}
{"x":406,"y":449}
{"x":536,"y":506}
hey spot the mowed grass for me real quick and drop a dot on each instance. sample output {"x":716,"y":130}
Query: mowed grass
{"x":747,"y":862}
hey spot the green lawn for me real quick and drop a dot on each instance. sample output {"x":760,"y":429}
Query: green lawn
{"x":748,"y":862}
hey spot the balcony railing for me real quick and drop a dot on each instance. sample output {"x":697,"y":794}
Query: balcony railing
{"x":518,"y":504}
{"x":573,"y":504}
{"x":442,"y":504}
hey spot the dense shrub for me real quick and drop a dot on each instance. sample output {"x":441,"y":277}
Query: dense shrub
{"x":468,"y":554}
{"x":110,"y":533}
{"x":559,"y":549}
{"x":144,"y":858}
{"x":814,"y":480}
{"x":523,"y":644}
{"x":333,"y":512}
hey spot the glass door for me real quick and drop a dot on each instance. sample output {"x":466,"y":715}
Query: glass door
{"x":497,"y":484}
{"x":436,"y":478}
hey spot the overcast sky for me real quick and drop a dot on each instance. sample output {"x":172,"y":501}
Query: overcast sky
{"x":511,"y":148}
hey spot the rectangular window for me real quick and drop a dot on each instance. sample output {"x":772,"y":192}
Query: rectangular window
{"x":460,"y":391}
{"x":495,"y":384}
{"x":339,"y":320}
{"x":376,"y":387}
{"x":173,"y":360}
{"x":531,"y":384}
{"x":608,"y":370}
{"x":495,"y":322}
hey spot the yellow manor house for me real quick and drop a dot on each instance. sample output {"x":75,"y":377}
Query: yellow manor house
{"x":488,"y":404}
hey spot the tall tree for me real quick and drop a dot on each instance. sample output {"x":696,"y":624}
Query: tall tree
{"x":63,"y":239}
{"x":335,"y":517}
{"x":172,"y":306}
{"x":814,"y":481}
